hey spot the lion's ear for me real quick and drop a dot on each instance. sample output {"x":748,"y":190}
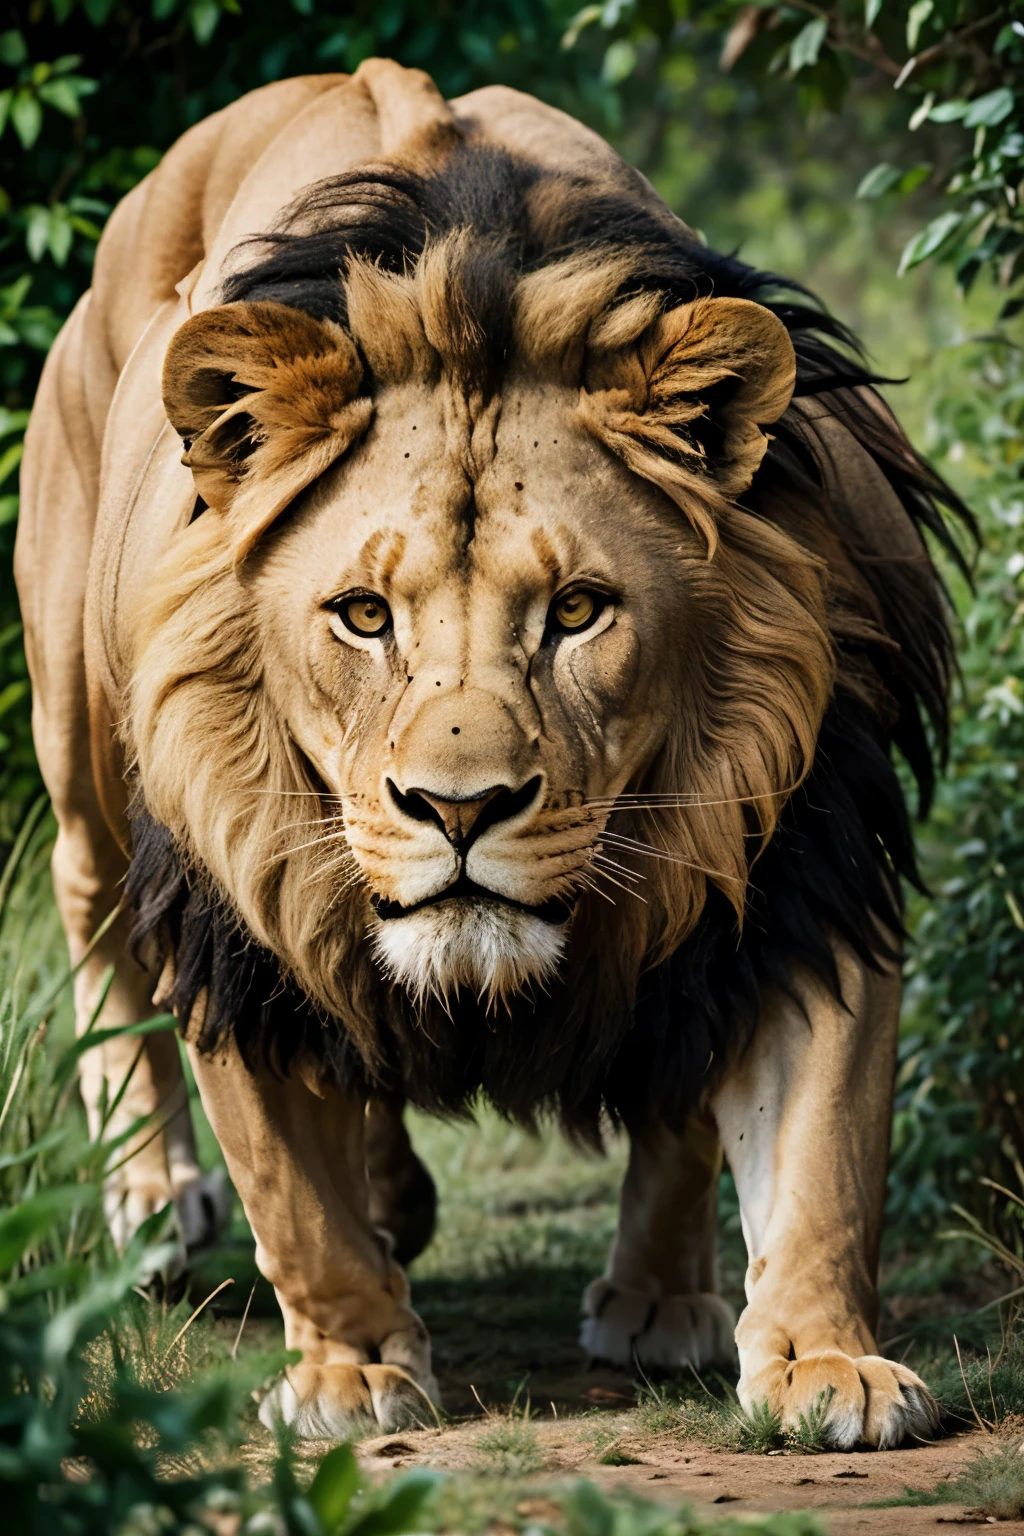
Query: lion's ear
{"x":265,"y":398}
{"x":686,"y":403}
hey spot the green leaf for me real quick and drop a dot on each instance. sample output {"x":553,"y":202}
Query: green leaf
{"x":872,"y":10}
{"x":589,"y":1511}
{"x":204,"y":16}
{"x":913,"y":178}
{"x":9,"y":460}
{"x":49,"y":1277}
{"x":880,"y":180}
{"x":928,"y":240}
{"x":97,"y":10}
{"x":13,"y":694}
{"x":399,"y":1507}
{"x":916,"y":18}
{"x":8,"y":510}
{"x":13,"y":296}
{"x":88,"y":205}
{"x":13,"y":50}
{"x":37,"y":230}
{"x":27,"y":118}
{"x":582,"y":19}
{"x":44,"y":1144}
{"x":61,"y":235}
{"x":85,"y":227}
{"x":64,"y":95}
{"x":163,"y":8}
{"x":948,"y":111}
{"x":65,"y":1067}
{"x":31,"y":1219}
{"x":806,"y":46}
{"x":619,"y":61}
{"x":6,"y":97}
{"x":988,"y":110}
{"x":331,"y":1491}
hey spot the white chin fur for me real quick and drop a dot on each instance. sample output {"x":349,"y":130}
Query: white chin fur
{"x":491,"y":948}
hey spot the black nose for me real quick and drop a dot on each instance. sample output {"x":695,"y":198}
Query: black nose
{"x":463,"y":820}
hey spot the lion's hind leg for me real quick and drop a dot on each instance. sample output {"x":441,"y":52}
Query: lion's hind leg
{"x":130,"y":1085}
{"x":403,"y":1196}
{"x":658,"y":1304}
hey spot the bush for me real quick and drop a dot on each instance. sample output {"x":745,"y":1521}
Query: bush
{"x":960,"y":1101}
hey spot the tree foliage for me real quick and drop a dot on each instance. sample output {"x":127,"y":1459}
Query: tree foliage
{"x":958,"y":63}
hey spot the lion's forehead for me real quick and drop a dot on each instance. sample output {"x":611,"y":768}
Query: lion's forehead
{"x":516,"y":497}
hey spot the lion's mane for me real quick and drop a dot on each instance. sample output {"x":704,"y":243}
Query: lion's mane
{"x":829,"y":646}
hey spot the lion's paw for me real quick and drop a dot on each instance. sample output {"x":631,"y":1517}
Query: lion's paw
{"x":202,"y":1206}
{"x":335,"y":1402}
{"x":622,"y":1326}
{"x":864,"y":1400}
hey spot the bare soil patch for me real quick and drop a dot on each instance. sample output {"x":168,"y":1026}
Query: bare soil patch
{"x":840,"y":1486}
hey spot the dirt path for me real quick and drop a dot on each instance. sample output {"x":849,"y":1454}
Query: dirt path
{"x":839,"y":1486}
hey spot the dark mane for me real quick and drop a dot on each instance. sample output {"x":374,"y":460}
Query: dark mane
{"x":844,"y":841}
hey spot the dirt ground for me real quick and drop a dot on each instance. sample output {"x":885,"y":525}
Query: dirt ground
{"x":525,"y":1224}
{"x":839,"y":1486}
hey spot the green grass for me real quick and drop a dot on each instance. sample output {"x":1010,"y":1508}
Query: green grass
{"x":993,"y":1484}
{"x":509,"y":1448}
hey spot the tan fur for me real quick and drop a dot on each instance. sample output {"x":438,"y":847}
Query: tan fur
{"x":198,"y":669}
{"x":201,"y":659}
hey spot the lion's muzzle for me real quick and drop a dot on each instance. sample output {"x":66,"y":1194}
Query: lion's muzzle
{"x":469,"y":934}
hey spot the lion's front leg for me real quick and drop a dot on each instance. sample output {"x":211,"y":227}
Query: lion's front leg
{"x":805,"y":1123}
{"x":658,"y":1302}
{"x":295,"y":1150}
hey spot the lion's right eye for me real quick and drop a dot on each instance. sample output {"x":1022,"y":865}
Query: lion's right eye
{"x":365,"y":614}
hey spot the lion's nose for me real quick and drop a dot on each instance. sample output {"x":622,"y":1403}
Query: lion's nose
{"x":462,"y":819}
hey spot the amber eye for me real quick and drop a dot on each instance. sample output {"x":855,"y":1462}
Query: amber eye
{"x":575,"y":610}
{"x":364,"y":614}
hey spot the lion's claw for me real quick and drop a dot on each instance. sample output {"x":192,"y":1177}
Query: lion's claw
{"x":864,"y":1400}
{"x":622,"y":1326}
{"x":334,"y":1402}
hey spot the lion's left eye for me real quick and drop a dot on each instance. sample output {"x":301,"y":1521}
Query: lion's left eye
{"x":364,"y":614}
{"x":576,"y":610}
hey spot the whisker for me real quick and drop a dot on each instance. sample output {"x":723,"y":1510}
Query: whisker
{"x":630,"y":874}
{"x":342,"y":879}
{"x":303,"y":821}
{"x":315,"y":794}
{"x":286,"y":853}
{"x":669,"y":799}
{"x":603,"y":874}
{"x":636,"y":845}
{"x":591,"y":886}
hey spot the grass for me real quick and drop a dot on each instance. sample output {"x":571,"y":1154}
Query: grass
{"x":993,"y":1484}
{"x":510,"y":1448}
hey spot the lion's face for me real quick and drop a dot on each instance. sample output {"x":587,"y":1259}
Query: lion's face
{"x":476,"y":636}
{"x":443,"y":611}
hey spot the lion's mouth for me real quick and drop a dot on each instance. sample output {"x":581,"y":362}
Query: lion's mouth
{"x":557,"y":911}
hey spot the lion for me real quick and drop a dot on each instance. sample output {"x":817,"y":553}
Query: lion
{"x":470,"y":624}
